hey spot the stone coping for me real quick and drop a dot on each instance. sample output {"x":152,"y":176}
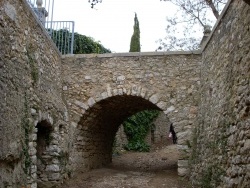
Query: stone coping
{"x":223,"y":13}
{"x":133,"y":54}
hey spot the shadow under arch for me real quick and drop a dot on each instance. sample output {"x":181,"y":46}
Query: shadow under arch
{"x":96,"y":130}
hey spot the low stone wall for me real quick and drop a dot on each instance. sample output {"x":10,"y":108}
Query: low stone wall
{"x":30,"y":93}
{"x":222,"y":141}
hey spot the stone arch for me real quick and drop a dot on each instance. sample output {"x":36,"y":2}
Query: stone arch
{"x":132,"y":90}
{"x":101,"y":116}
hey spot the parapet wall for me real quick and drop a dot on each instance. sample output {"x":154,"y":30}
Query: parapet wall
{"x":222,"y":140}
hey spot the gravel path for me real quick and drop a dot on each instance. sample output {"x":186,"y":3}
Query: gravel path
{"x":156,"y":169}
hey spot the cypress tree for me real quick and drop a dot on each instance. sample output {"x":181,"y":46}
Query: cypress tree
{"x":135,"y":45}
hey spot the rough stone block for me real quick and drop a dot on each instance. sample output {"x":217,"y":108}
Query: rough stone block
{"x":52,"y":168}
{"x":154,"y":98}
{"x":183,"y":171}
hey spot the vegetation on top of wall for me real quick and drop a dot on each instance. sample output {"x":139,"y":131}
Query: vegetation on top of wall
{"x":87,"y":45}
{"x":82,"y":43}
{"x":136,"y":129}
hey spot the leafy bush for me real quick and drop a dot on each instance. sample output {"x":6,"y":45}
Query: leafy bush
{"x":136,"y":129}
{"x":82,"y":43}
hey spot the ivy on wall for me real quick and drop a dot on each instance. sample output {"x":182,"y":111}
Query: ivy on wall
{"x":136,"y":129}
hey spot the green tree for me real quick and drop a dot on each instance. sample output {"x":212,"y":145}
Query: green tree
{"x":137,"y":126}
{"x":135,"y":45}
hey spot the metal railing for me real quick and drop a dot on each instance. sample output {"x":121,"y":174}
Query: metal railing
{"x":43,"y":9}
{"x":61,"y":32}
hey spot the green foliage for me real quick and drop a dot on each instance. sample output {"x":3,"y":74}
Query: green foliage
{"x":82,"y":43}
{"x":136,"y":129}
{"x":211,"y":174}
{"x":25,"y":142}
{"x":33,"y":66}
{"x":87,"y":45}
{"x":211,"y":177}
{"x":137,"y":145}
{"x":135,"y":45}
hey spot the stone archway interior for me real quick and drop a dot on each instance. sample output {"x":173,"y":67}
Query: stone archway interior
{"x":97,"y":128}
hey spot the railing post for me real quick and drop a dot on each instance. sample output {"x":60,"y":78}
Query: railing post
{"x":41,"y":11}
{"x":39,"y":3}
{"x":72,"y":38}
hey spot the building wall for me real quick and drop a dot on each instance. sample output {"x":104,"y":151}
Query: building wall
{"x":30,"y":92}
{"x":222,"y":142}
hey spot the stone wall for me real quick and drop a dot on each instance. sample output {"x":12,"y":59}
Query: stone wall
{"x":30,"y":94}
{"x":161,"y":130}
{"x":102,"y":90}
{"x":222,"y":140}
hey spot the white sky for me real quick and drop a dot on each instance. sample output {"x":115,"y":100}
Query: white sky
{"x":111,"y":22}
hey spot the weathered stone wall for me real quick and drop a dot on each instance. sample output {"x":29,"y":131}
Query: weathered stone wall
{"x":30,"y":93}
{"x":161,"y":130}
{"x":102,"y":90}
{"x":222,"y":139}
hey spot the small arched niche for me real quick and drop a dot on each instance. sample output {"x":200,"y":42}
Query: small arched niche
{"x":44,"y":130}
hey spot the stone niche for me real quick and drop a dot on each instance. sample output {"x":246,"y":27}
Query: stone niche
{"x":48,"y":155}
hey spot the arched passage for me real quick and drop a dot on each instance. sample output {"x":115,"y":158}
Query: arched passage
{"x":97,"y":127}
{"x":101,"y":91}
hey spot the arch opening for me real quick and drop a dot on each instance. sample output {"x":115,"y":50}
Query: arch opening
{"x":97,"y":128}
{"x":44,"y":130}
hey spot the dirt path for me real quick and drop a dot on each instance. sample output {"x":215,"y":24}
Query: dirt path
{"x":156,"y":169}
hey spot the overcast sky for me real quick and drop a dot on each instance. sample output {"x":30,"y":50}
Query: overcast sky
{"x":111,"y":22}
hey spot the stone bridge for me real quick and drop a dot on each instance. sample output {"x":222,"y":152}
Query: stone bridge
{"x":103,"y":90}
